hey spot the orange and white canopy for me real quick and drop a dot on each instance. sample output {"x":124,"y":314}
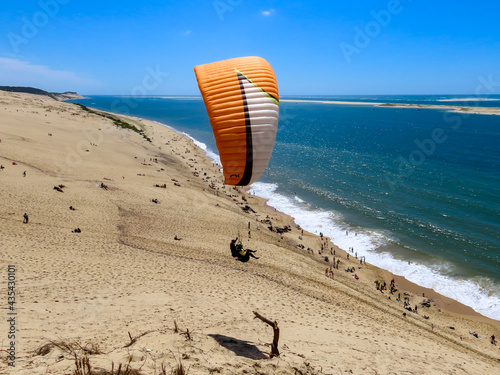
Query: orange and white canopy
{"x":242,"y":101}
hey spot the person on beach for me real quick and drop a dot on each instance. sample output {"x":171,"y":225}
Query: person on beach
{"x":25,"y":218}
{"x":473,"y":333}
{"x":240,"y":253}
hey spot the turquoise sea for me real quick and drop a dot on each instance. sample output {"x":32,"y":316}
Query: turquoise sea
{"x":415,"y":191}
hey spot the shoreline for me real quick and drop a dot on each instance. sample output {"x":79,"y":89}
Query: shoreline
{"x":372,"y":255}
{"x":450,"y":304}
{"x":441,"y":301}
{"x":125,"y":272}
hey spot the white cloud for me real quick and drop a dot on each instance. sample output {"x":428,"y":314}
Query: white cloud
{"x":187,"y":32}
{"x":14,"y":72}
{"x":267,"y":13}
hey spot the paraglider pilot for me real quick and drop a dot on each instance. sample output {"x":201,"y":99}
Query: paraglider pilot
{"x":241,"y":254}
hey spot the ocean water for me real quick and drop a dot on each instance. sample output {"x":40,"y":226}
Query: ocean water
{"x":417,"y":192}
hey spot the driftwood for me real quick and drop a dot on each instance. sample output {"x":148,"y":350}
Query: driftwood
{"x":134,"y":339}
{"x":274,"y":346}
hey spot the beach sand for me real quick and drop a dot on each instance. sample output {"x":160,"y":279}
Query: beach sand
{"x":124,"y":291}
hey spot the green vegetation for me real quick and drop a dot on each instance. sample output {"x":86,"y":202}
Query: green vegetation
{"x":28,"y":90}
{"x":117,"y":121}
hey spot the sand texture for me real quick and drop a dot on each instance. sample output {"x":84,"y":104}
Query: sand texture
{"x":124,"y":291}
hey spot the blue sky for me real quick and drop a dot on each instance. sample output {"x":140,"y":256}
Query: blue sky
{"x":315,"y":47}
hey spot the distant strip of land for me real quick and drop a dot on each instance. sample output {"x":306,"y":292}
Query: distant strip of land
{"x":459,"y":109}
{"x":469,"y":100}
{"x":444,"y":107}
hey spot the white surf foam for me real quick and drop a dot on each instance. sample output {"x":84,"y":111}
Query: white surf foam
{"x":480,"y":294}
{"x":211,"y":154}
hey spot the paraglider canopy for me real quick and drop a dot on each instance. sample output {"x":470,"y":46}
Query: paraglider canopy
{"x":242,"y":101}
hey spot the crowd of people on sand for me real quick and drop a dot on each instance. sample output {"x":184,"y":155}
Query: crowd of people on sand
{"x":380,"y":285}
{"x":325,"y":246}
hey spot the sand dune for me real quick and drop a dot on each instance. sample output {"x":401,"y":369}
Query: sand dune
{"x":83,"y":293}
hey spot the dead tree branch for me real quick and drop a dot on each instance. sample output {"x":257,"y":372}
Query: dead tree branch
{"x":274,"y":346}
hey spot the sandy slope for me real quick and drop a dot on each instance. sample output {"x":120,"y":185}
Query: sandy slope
{"x":125,"y":273}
